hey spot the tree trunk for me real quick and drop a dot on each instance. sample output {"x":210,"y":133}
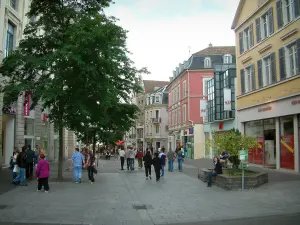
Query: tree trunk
{"x":94,"y":143}
{"x":61,"y":153}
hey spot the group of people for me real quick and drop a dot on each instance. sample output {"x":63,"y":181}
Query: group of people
{"x":23,"y":163}
{"x":157,"y":159}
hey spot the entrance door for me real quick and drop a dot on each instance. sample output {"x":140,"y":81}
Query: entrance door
{"x":157,"y":146}
{"x":29,"y":141}
{"x":270,"y":148}
{"x":9,"y":138}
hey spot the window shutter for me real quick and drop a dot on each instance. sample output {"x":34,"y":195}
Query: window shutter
{"x":282,"y":63}
{"x":298,"y":56}
{"x":279,"y":14}
{"x":271,"y":20}
{"x":253,"y":77}
{"x":241,"y":42}
{"x":297,"y":8}
{"x":258,"y":33}
{"x":259,"y":69}
{"x":243,"y":82}
{"x":251,"y":35}
{"x":273,"y":68}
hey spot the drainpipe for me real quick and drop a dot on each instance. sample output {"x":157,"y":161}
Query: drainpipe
{"x":188,"y":95}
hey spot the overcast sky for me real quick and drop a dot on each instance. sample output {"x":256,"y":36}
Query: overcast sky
{"x":161,"y":31}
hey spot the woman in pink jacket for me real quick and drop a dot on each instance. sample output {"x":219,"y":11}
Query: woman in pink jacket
{"x":42,"y":173}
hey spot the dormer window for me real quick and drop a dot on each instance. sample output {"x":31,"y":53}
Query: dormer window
{"x":227,"y":59}
{"x":156,"y":99}
{"x":207,"y":63}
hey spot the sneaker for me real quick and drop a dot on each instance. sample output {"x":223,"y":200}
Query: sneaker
{"x":146,"y":178}
{"x":76,"y":182}
{"x":79,"y":180}
{"x":150,"y":177}
{"x":38,"y":190}
{"x":46,"y":192}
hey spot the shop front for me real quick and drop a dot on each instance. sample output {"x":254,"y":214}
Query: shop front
{"x":188,"y":142}
{"x":276,"y":127}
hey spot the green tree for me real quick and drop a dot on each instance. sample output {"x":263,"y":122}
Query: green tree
{"x":232,"y":142}
{"x":73,"y":59}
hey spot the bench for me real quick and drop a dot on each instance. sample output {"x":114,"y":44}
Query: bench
{"x":202,"y":174}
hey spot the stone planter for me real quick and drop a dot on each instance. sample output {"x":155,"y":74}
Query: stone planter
{"x":235,"y":182}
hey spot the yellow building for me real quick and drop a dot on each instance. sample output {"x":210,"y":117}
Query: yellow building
{"x":268,"y":79}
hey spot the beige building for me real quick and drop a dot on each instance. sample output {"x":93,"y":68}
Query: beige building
{"x":19,"y":126}
{"x":268,"y":79}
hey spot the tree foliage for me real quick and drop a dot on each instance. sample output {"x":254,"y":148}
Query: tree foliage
{"x":73,"y":59}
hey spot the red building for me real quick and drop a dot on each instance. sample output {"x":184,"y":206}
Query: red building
{"x":186,"y":90}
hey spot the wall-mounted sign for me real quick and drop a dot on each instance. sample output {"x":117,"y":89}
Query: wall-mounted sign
{"x":203,"y":108}
{"x":191,"y":130}
{"x":27,"y":104}
{"x":266,"y":108}
{"x":295,"y":102}
{"x":227,"y":99}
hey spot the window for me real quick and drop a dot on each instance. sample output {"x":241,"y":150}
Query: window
{"x":207,"y":63}
{"x":227,"y":59}
{"x":266,"y":71}
{"x":29,"y":126}
{"x":246,"y":39}
{"x":184,"y":88}
{"x":13,"y":4}
{"x":184,"y":114}
{"x":178,"y":93}
{"x":247,"y":79}
{"x":178,"y":116}
{"x":289,"y":60}
{"x":157,"y":99}
{"x":204,"y":81}
{"x":157,"y":129}
{"x":10,"y":37}
{"x":287,"y":10}
{"x":264,"y":25}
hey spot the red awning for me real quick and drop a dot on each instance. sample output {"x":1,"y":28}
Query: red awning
{"x":120,"y":142}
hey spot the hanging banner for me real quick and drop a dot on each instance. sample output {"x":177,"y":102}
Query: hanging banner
{"x":203,"y":108}
{"x":227,"y":99}
{"x":27,"y":104}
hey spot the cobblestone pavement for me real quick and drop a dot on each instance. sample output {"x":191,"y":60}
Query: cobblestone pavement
{"x":127,"y":198}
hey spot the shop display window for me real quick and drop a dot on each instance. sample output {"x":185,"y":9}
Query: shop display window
{"x":287,"y":142}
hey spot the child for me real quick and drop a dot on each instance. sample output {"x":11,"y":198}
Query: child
{"x":157,"y":166}
{"x":42,"y":173}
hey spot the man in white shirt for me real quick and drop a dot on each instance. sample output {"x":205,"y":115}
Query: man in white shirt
{"x":132,"y":154}
{"x":122,"y":157}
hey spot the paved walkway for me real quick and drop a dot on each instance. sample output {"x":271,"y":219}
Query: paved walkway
{"x":122,"y":197}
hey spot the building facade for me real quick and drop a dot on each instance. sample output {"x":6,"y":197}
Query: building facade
{"x":186,"y":91}
{"x":268,"y":80}
{"x":156,"y":119}
{"x":20,"y":126}
{"x":221,"y":103}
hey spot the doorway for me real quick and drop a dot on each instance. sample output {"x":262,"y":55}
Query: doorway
{"x":29,"y":141}
{"x":270,"y":148}
{"x":157,"y":146}
{"x":8,"y":137}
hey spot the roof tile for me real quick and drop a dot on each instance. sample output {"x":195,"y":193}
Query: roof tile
{"x":216,"y":50}
{"x":149,"y":85}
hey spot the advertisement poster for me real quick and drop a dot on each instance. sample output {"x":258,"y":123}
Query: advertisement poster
{"x":227,"y":99}
{"x":287,"y":152}
{"x":255,"y":155}
{"x":203,"y":108}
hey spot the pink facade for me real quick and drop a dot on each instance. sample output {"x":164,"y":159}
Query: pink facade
{"x":190,"y":102}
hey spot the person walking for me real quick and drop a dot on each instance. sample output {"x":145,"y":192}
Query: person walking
{"x":78,"y":161}
{"x":132,"y":154}
{"x":127,"y":158}
{"x":170,"y":156}
{"x":91,"y":163}
{"x":140,"y":156}
{"x":21,"y":162}
{"x":147,"y":163}
{"x":157,"y":166}
{"x":180,"y":159}
{"x":122,"y":157}
{"x":29,"y":162}
{"x":42,"y":173}
{"x":15,"y":168}
{"x":163,"y":161}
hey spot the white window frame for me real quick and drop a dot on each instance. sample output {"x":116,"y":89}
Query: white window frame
{"x":207,"y":62}
{"x":227,"y":59}
{"x":184,"y":114}
{"x":248,"y":79}
{"x":267,"y":70}
{"x":290,"y":71}
{"x":157,"y":99}
{"x":184,"y":88}
{"x":10,"y":32}
{"x":157,"y":129}
{"x":178,"y":93}
{"x":288,"y":14}
{"x":204,"y":83}
{"x":14,"y":4}
{"x":178,"y":116}
{"x":246,"y":39}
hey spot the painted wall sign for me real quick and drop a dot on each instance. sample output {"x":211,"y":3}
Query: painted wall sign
{"x":227,"y":99}
{"x":295,"y":102}
{"x":203,"y":108}
{"x":263,"y":109}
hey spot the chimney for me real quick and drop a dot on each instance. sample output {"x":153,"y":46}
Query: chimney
{"x":210,"y":45}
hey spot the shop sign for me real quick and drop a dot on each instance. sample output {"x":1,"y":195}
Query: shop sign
{"x":295,"y":102}
{"x":227,"y":99}
{"x":264,"y":109}
{"x":27,"y":104}
{"x":203,"y":108}
{"x":191,"y":131}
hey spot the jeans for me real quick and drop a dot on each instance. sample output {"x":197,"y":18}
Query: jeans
{"x":122,"y":162}
{"x":162,"y":170}
{"x":131,"y":164}
{"x":210,"y":176}
{"x":29,"y":170}
{"x":91,"y":173}
{"x":22,"y":176}
{"x":17,"y":178}
{"x":77,"y":173}
{"x":148,"y":170}
{"x":180,"y":164}
{"x":171,"y":165}
{"x":128,"y":163}
{"x":43,"y":182}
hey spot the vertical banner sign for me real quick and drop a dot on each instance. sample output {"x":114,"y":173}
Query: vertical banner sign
{"x":227,"y":99}
{"x":203,"y":108}
{"x":27,"y":105}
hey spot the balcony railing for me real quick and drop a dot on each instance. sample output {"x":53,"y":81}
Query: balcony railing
{"x":156,"y":120}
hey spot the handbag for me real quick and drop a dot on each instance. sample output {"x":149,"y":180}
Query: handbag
{"x":95,"y":170}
